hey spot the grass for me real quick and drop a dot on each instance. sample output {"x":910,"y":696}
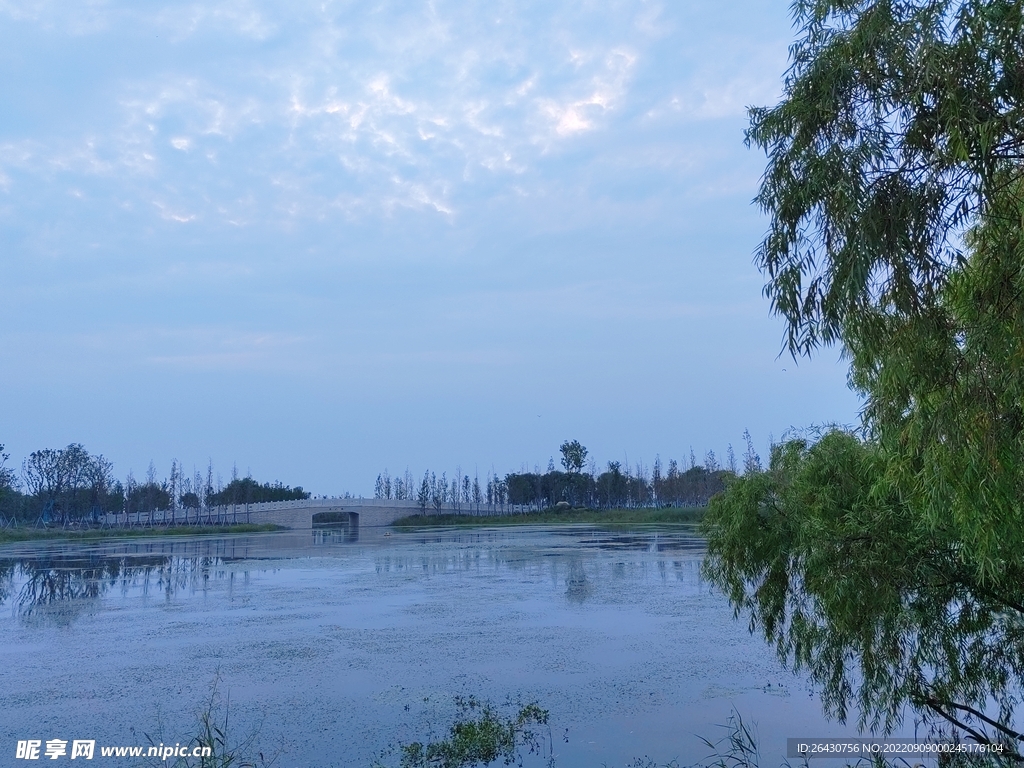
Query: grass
{"x":614,"y":517}
{"x":25,"y":533}
{"x":482,"y":735}
{"x":213,"y":737}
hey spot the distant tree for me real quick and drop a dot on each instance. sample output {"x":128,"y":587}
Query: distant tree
{"x":69,"y":481}
{"x":148,"y":497}
{"x":522,"y":487}
{"x":574,"y":456}
{"x":245,"y":490}
{"x":711,"y":462}
{"x":8,"y":479}
{"x":500,"y":492}
{"x":174,"y":484}
{"x":656,"y":479}
{"x":438,"y":491}
{"x":612,"y":486}
{"x":208,"y":489}
{"x":751,"y":461}
{"x":11,"y":501}
{"x":115,"y":498}
{"x":423,"y":497}
{"x":130,"y":484}
{"x":191,"y":500}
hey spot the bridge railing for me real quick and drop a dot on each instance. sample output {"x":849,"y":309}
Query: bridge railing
{"x":230,"y":514}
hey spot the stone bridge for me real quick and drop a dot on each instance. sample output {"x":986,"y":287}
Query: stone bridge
{"x":304,"y":513}
{"x":363,"y":513}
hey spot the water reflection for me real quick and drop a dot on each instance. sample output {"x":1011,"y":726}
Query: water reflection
{"x":333,"y":632}
{"x":577,"y":586}
{"x":57,"y":581}
{"x":45,"y":586}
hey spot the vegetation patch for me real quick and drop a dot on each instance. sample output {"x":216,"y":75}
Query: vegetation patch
{"x":552,"y":516}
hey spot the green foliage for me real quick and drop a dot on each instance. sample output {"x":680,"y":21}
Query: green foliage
{"x":480,"y":735}
{"x":849,"y":581}
{"x":245,"y":490}
{"x":574,"y":456}
{"x":12,"y":502}
{"x":190,"y":500}
{"x":900,"y":121}
{"x":738,"y":748}
{"x":8,"y":480}
{"x":615,"y":487}
{"x":69,"y":483}
{"x":945,"y":395}
{"x":890,"y":566}
{"x":147,"y":497}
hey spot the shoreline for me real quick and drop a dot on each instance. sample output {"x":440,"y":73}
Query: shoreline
{"x":614,"y":517}
{"x":608,"y":517}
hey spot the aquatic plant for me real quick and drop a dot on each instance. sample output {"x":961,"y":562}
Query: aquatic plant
{"x":482,"y":735}
{"x":212,"y":732}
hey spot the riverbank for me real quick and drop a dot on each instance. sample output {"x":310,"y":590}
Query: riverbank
{"x":12,"y":535}
{"x":613,"y":517}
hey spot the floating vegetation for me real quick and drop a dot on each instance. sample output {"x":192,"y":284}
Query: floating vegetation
{"x":482,"y":735}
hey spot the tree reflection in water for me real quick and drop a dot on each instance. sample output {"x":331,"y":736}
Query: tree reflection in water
{"x":69,"y":581}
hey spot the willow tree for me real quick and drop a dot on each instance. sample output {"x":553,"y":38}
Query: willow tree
{"x":890,"y":564}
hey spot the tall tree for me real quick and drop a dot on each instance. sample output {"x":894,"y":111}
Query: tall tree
{"x":894,"y":197}
{"x":574,"y":456}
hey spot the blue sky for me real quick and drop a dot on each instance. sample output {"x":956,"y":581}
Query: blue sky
{"x":318,"y":239}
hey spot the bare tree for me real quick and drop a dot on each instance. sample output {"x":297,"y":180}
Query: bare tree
{"x":751,"y":461}
{"x":711,"y":462}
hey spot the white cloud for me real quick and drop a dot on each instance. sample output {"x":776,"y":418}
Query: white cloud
{"x":372,"y":109}
{"x":168,"y":214}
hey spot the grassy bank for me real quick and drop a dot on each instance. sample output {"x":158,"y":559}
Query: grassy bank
{"x":9,"y":535}
{"x":616,"y":517}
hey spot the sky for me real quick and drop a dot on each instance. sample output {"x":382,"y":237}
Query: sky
{"x":315,"y":240}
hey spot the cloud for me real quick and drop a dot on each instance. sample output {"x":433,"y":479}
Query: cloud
{"x":437,"y":95}
{"x":169,"y":215}
{"x":321,"y":200}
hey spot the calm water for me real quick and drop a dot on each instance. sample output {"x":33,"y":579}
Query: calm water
{"x":340,"y":647}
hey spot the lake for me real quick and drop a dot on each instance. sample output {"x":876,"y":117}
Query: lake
{"x":337,"y":645}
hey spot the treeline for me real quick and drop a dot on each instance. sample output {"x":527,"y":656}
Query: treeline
{"x":70,"y":485}
{"x":616,"y":486}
